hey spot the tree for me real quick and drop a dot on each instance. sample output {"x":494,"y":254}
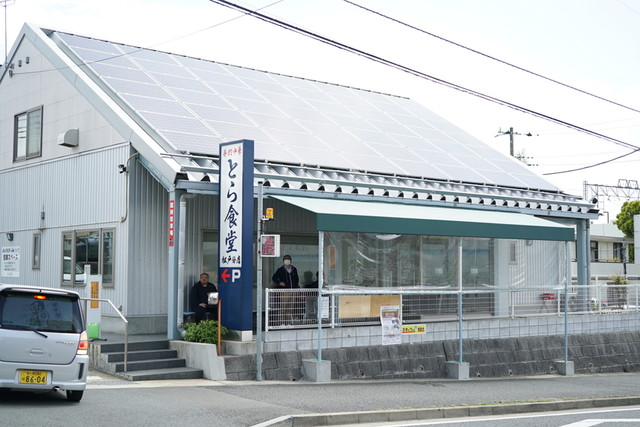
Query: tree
{"x":624,"y":220}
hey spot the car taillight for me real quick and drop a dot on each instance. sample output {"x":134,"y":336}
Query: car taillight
{"x":83,"y":345}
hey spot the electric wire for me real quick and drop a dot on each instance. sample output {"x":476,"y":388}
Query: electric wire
{"x":584,"y":92}
{"x":144,"y":48}
{"x":593,"y":165}
{"x":380,"y":60}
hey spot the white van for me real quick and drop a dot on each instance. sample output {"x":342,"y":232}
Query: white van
{"x":43,"y":341}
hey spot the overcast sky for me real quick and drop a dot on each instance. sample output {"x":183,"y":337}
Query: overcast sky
{"x":589,"y":44}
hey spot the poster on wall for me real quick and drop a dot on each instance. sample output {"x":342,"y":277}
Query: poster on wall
{"x":391,"y":327}
{"x":10,"y":263}
{"x":270,"y":245}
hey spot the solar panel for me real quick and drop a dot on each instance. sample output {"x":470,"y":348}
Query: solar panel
{"x":123,"y":87}
{"x":196,"y":104}
{"x":155,"y":105}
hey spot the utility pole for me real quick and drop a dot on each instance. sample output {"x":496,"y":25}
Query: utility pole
{"x":5,"y":4}
{"x":511,"y":133}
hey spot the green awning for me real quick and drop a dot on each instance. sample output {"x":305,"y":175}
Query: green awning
{"x":398,"y":218}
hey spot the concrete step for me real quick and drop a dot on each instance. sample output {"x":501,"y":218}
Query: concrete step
{"x":146,"y":365}
{"x":134,"y":356}
{"x":162,"y":374}
{"x":132,"y":346}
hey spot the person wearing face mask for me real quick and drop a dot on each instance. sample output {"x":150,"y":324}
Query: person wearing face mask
{"x":286,"y":277}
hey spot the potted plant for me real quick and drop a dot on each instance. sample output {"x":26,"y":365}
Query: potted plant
{"x":617,"y":291}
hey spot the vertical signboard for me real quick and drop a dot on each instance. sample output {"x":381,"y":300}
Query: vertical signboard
{"x":235,"y":245}
{"x":172,"y":219}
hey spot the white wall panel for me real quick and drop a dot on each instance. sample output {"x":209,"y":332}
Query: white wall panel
{"x":148,"y":245}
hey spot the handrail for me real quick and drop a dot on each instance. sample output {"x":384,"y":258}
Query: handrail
{"x":124,"y":319}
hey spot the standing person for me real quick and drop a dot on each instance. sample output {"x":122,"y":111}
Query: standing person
{"x":286,"y":277}
{"x":200,"y":298}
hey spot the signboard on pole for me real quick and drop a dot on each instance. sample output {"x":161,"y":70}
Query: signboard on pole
{"x":235,"y":244}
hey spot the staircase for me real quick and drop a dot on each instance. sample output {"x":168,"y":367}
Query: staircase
{"x":147,"y":360}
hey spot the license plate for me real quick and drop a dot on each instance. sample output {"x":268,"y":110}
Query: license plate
{"x":33,"y":377}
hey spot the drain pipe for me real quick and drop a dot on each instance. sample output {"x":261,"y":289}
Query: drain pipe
{"x":182,"y":226}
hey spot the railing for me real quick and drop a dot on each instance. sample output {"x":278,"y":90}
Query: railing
{"x":124,"y":319}
{"x":297,"y":308}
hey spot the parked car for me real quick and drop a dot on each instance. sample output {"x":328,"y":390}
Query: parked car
{"x":43,"y":341}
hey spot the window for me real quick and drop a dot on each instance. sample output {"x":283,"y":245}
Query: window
{"x":618,"y":252}
{"x":48,"y":313}
{"x":513,"y":253}
{"x":28,"y":135}
{"x":92,"y":248}
{"x":35,"y":262}
{"x":594,"y":251}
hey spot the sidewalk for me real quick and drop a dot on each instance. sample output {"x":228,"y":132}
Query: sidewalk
{"x":366,"y":402}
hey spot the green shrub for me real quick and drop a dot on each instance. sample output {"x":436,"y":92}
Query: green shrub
{"x":205,"y":332}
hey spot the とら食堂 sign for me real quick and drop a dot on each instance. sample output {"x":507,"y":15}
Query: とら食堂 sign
{"x":235,"y":244}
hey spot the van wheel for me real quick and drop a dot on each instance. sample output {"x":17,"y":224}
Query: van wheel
{"x":74,"y":395}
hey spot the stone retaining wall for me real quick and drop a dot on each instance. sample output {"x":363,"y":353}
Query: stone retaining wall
{"x":591,"y":353}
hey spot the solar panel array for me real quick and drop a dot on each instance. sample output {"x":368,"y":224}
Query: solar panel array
{"x":196,"y":104}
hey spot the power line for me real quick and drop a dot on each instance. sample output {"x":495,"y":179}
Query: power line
{"x":350,"y":49}
{"x":584,"y":92}
{"x":143,"y":48}
{"x":628,"y":7}
{"x":593,"y":165}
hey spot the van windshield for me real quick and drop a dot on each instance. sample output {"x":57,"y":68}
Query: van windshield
{"x":40,"y":312}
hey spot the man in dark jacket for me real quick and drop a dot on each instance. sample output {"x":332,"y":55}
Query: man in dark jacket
{"x":286,"y":277}
{"x":200,"y":298}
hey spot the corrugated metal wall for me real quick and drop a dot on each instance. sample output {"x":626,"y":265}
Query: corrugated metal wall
{"x":78,"y":192}
{"x":147,"y":227}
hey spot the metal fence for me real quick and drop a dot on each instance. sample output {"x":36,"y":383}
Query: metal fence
{"x":298,"y":308}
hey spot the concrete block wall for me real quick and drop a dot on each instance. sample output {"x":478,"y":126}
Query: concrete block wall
{"x":493,"y":347}
{"x":492,"y":357}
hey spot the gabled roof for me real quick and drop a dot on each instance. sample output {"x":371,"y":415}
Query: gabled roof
{"x":196,"y":104}
{"x":308,"y":135}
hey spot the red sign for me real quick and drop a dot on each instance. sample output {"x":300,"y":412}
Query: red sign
{"x":171,"y":221}
{"x":225,"y":275}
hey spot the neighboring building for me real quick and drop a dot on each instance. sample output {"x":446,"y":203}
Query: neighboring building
{"x":609,"y":252}
{"x":110,"y":159}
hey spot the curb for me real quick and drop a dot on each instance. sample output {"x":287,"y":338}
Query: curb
{"x":341,"y":418}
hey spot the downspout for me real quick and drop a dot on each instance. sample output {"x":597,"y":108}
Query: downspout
{"x":172,"y":264}
{"x":182,"y":233}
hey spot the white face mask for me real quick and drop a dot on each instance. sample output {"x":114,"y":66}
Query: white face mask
{"x":287,"y":262}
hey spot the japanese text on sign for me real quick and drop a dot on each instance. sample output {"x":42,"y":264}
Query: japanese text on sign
{"x":10,"y":261}
{"x":231,"y":206}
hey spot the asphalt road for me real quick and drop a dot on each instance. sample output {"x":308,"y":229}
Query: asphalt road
{"x":109,"y":401}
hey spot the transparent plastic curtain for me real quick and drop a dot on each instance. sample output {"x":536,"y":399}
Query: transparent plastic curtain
{"x":369,"y":260}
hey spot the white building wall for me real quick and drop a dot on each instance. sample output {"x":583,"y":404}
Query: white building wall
{"x":77,"y":188}
{"x":38,"y":83}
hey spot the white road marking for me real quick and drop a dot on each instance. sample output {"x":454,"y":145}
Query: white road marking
{"x":595,"y":422}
